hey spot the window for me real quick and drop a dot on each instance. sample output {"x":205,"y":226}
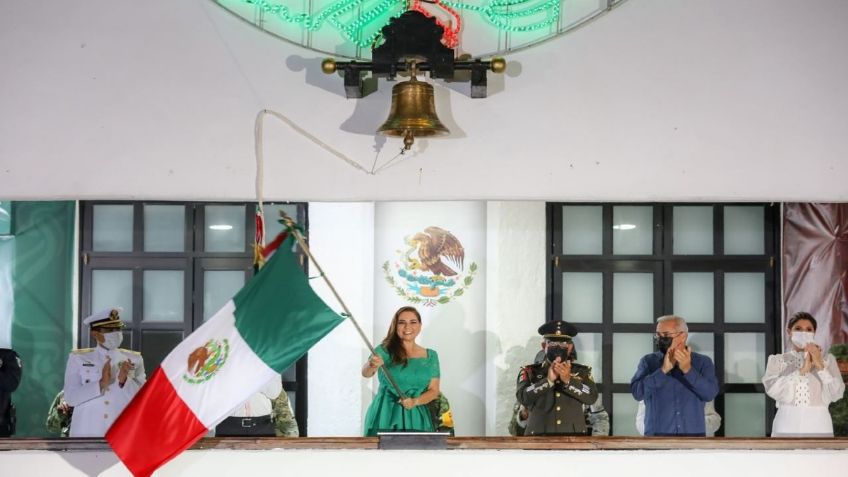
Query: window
{"x":171,"y":266}
{"x":616,"y":267}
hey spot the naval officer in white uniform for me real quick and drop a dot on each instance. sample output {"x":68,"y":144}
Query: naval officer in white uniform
{"x":101,"y":381}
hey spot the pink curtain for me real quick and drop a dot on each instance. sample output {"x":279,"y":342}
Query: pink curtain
{"x":815,"y":267}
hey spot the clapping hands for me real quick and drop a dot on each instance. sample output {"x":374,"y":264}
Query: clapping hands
{"x":123,"y":371}
{"x":812,"y":358}
{"x":680,"y":356}
{"x":683,"y":356}
{"x":560,"y":370}
{"x":106,"y":375}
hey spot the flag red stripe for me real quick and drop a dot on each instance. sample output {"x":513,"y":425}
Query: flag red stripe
{"x":275,"y":244}
{"x":156,"y":420}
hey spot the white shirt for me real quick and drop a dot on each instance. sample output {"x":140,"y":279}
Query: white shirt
{"x":259,"y":404}
{"x":785,"y":384}
{"x":802,"y":399}
{"x":95,"y":411}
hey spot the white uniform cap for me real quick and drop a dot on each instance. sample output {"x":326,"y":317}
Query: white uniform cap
{"x":108,"y":318}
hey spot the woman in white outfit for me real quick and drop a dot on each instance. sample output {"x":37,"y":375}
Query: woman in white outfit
{"x":803,"y":382}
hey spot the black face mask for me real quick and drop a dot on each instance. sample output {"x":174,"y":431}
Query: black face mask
{"x":663,"y":343}
{"x":553,"y":353}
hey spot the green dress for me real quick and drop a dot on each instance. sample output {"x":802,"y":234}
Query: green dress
{"x":385,"y":412}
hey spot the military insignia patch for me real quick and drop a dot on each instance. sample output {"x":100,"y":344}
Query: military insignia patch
{"x":205,"y":361}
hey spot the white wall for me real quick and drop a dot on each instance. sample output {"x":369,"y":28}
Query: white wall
{"x":455,"y":463}
{"x":482,"y":338}
{"x":515,"y":301}
{"x":341,"y":237}
{"x":656,"y":100}
{"x":456,"y":330}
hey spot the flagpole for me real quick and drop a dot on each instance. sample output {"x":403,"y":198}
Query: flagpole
{"x":290,"y":224}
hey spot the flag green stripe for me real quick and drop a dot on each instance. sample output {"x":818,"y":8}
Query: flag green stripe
{"x":278,"y":314}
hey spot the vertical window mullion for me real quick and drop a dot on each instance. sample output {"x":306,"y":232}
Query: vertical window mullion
{"x":659,"y":230}
{"x":718,"y":341}
{"x":606,"y":230}
{"x":138,"y":228}
{"x":718,"y":231}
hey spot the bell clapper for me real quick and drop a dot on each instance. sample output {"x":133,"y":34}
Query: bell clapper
{"x":408,"y":139}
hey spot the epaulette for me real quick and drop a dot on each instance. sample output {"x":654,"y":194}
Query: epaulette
{"x":581,"y":369}
{"x":138,"y":353}
{"x":82,"y":350}
{"x":526,"y":372}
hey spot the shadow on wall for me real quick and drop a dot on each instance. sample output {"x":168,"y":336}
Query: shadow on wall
{"x":513,"y":360}
{"x":463,"y":366}
{"x":314,"y":76}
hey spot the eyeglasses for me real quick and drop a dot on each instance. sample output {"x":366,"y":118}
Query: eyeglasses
{"x":669,"y":334}
{"x":558,"y":344}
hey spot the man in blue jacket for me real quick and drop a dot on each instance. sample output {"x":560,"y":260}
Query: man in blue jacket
{"x":674,"y":382}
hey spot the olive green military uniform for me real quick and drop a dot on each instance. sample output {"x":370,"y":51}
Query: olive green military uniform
{"x":555,"y":407}
{"x":285,"y":424}
{"x":597,"y":419}
{"x":59,"y":422}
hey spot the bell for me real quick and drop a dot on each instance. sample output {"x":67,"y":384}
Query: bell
{"x":413,"y":113}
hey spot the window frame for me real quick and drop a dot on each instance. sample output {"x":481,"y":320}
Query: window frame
{"x":663,"y":263}
{"x":193,"y":261}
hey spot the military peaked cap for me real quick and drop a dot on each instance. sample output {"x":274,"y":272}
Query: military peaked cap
{"x":557,"y":330}
{"x":105,"y":319}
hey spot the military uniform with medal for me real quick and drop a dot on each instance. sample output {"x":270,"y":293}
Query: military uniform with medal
{"x":101,"y":381}
{"x":555,"y":390}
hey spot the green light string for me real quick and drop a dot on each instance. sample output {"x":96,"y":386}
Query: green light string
{"x":353,"y":31}
{"x":498,"y":13}
{"x":506,"y":15}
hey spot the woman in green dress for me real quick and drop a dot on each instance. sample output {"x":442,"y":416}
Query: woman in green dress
{"x":416,"y":371}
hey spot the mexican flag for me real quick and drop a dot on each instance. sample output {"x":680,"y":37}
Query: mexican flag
{"x":266,"y":327}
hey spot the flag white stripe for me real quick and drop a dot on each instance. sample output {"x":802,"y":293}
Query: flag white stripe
{"x":242,"y":373}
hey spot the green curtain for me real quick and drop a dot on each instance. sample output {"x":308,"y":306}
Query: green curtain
{"x":42,"y":279}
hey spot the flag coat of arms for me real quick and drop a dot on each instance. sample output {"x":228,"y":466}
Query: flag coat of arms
{"x":263,"y":330}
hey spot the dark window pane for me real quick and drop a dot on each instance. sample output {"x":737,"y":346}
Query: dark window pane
{"x":155,"y":345}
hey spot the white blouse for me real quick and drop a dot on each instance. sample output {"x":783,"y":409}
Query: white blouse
{"x":785,"y":384}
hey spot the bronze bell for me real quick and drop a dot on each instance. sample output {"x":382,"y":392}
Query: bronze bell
{"x":413,"y":113}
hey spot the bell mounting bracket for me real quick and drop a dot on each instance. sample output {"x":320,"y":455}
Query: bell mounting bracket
{"x":412,"y":36}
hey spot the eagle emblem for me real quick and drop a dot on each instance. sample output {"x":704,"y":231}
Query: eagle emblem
{"x":430,"y":270}
{"x":205,"y":361}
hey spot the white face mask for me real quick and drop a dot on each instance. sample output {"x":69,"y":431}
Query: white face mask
{"x":802,"y":338}
{"x":112,"y":340}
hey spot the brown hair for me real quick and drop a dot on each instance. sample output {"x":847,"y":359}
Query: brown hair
{"x":801,"y":315}
{"x":392,"y":343}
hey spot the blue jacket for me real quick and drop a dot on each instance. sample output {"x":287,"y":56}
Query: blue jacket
{"x":674,"y":402}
